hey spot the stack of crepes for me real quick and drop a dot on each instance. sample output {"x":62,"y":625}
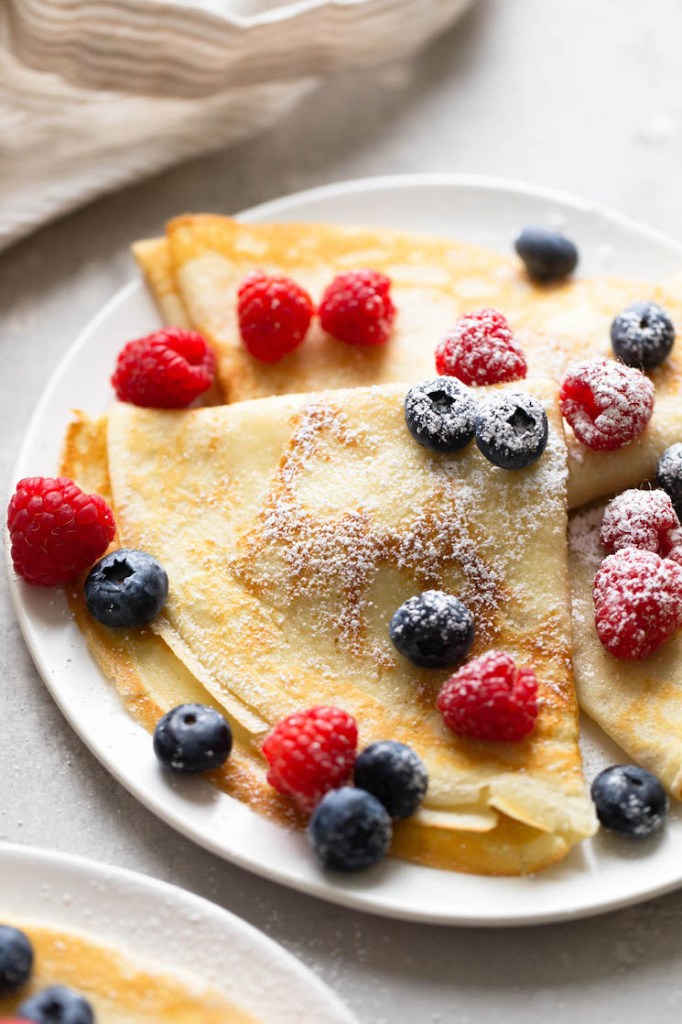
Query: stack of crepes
{"x":296,"y":516}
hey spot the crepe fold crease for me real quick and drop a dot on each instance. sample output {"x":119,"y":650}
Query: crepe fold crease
{"x":291,"y":529}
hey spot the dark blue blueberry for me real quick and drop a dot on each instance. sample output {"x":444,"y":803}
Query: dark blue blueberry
{"x":511,"y":429}
{"x":192,"y":738}
{"x":126,"y":589}
{"x":642,"y":335}
{"x":440,"y":414}
{"x":433,"y":629}
{"x":547,"y":255}
{"x":630,"y":800}
{"x":57,"y":1005}
{"x":350,"y":830}
{"x":16,"y":959}
{"x":394,"y":774}
{"x":669,"y":475}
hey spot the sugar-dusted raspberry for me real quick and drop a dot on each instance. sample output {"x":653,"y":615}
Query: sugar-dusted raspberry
{"x":671,"y":545}
{"x":164,"y":370}
{"x":638,"y":519}
{"x":607,"y":404}
{"x":56,"y":529}
{"x":490,"y":699}
{"x":311,"y":752}
{"x":481,"y":349}
{"x":274,"y":315}
{"x":357,"y":309}
{"x":637,"y":602}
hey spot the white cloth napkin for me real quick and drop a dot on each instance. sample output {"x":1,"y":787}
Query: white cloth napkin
{"x":97,"y":93}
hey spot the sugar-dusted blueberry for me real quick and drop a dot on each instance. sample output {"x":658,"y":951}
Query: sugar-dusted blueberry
{"x":511,"y":429}
{"x":547,"y":255}
{"x":433,"y":629}
{"x":126,"y":589}
{"x":16,"y":959}
{"x":395,"y":774}
{"x":440,"y":414}
{"x":57,"y":1005}
{"x":192,"y":738}
{"x":350,"y":830}
{"x":642,"y":335}
{"x":630,"y":800}
{"x":669,"y":475}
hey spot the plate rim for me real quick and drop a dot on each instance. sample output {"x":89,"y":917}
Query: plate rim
{"x":336,"y":893}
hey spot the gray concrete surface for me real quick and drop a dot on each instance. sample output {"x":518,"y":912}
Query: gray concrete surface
{"x":585,"y":96}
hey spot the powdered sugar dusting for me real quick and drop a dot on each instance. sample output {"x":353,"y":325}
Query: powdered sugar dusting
{"x":312,"y":554}
{"x":584,"y":538}
{"x":302,"y":553}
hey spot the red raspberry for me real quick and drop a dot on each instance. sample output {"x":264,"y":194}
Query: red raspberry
{"x":639,"y":519}
{"x":638,"y":602}
{"x":480,"y":349}
{"x":311,"y":752}
{"x":671,"y":545}
{"x":607,"y":404}
{"x":165,"y":370}
{"x":274,"y":315}
{"x":56,"y":529}
{"x":356,"y":308}
{"x":490,"y":699}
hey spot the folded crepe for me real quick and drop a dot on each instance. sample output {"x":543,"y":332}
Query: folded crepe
{"x":120,"y":990}
{"x":291,"y":529}
{"x":638,"y":703}
{"x":194,"y":273}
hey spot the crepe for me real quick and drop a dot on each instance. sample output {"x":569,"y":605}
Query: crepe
{"x":120,"y":990}
{"x":292,"y":528}
{"x":638,"y":703}
{"x":195,"y":271}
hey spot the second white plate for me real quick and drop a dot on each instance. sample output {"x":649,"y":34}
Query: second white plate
{"x":600,"y":875}
{"x":166,"y":926}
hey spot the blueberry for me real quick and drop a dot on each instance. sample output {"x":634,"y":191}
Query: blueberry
{"x":547,"y":255}
{"x":192,"y":738}
{"x":57,"y":1005}
{"x":16,"y":959}
{"x":126,"y":588}
{"x":630,"y":800}
{"x":669,"y":475}
{"x":433,"y":629}
{"x":350,"y":830}
{"x":511,"y":430}
{"x":440,"y":414}
{"x":394,"y":774}
{"x":642,"y":335}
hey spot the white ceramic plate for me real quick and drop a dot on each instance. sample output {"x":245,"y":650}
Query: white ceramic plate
{"x":598,"y":876}
{"x":174,"y":929}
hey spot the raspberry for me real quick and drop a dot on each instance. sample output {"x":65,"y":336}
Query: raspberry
{"x":274,"y":314}
{"x":490,"y":699}
{"x":311,"y":752}
{"x":165,"y":370}
{"x":639,"y":519}
{"x":607,"y":404}
{"x":671,"y":545}
{"x":638,"y":602}
{"x":481,"y":349}
{"x":56,"y":529}
{"x":356,"y":308}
